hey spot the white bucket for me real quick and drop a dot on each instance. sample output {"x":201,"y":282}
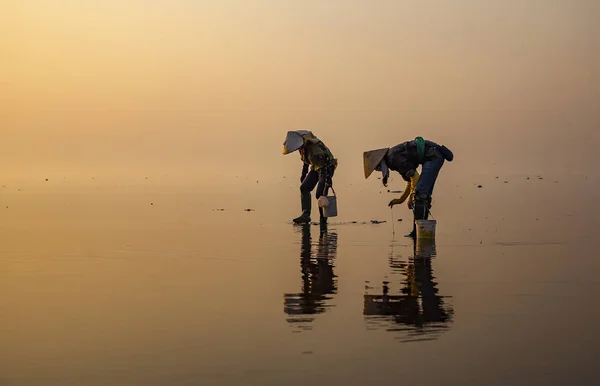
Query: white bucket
{"x":425,"y":229}
{"x":330,"y":208}
{"x":329,"y":205}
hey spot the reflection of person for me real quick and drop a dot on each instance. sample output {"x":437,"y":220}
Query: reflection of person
{"x":318,"y":279}
{"x":404,"y":159}
{"x":419,"y":305}
{"x":318,"y":157}
{"x":420,"y":283}
{"x":432,"y":304}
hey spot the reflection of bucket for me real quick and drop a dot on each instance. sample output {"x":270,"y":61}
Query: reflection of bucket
{"x":425,"y":248}
{"x":425,"y":229}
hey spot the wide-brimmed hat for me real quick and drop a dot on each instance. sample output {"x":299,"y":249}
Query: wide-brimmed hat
{"x":294,"y":140}
{"x":371,"y":159}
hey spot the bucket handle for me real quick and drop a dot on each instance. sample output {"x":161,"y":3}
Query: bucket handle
{"x":332,"y":189}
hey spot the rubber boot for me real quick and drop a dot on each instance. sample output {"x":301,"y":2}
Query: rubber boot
{"x":421,"y":207}
{"x":420,"y":211}
{"x":413,"y":233}
{"x":322,"y":218}
{"x":304,"y":218}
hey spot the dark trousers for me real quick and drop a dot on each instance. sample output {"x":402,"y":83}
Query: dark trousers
{"x":429,"y":174}
{"x":318,"y":179}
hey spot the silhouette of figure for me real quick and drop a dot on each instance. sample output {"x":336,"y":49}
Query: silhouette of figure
{"x":318,"y":280}
{"x":419,"y":311}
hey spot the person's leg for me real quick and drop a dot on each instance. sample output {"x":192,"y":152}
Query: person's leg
{"x":323,"y":189}
{"x":413,"y":233}
{"x":424,"y":188}
{"x":432,"y":185}
{"x":429,"y":174}
{"x":306,"y":187}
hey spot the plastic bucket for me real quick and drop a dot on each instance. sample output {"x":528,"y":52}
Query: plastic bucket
{"x":328,"y":204}
{"x":425,"y":229}
{"x":330,"y":207}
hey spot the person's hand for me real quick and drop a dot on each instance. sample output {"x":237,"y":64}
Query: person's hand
{"x":409,"y":204}
{"x":395,"y":201}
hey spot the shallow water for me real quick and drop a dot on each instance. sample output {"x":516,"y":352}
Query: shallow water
{"x":155,"y":285}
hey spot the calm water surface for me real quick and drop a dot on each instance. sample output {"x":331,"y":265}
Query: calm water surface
{"x":157,"y":286}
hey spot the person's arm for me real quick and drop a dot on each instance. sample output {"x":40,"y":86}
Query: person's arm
{"x":304,"y":171}
{"x":404,"y":196}
{"x":414,"y":179}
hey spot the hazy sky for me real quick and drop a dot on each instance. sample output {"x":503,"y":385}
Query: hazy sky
{"x":191,"y":86}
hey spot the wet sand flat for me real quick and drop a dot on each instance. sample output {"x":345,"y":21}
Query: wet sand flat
{"x":107,"y":289}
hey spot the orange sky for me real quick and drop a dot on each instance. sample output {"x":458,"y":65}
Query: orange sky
{"x":133,"y":86}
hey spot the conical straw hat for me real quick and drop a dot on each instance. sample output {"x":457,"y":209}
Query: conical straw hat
{"x":371,"y":159}
{"x":294,"y":140}
{"x":305,"y":133}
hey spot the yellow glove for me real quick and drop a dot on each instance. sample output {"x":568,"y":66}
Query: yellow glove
{"x":395,"y":201}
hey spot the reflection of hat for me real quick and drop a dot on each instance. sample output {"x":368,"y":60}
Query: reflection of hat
{"x":371,"y":159}
{"x":294,"y":140}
